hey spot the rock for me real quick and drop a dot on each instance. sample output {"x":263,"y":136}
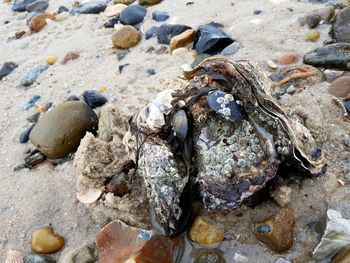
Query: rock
{"x":340,"y":30}
{"x":39,"y":21}
{"x":51,"y":60}
{"x":57,"y":133}
{"x":108,"y":121}
{"x":313,"y":36}
{"x":335,"y":56}
{"x":340,"y":87}
{"x":210,"y":39}
{"x":343,"y":256}
{"x":199,"y":59}
{"x":38,"y":259}
{"x":112,"y":22}
{"x":62,"y":9}
{"x":166,"y":32}
{"x":34,"y":118}
{"x":19,"y":34}
{"x":84,"y":254}
{"x":94,"y":99}
{"x":336,"y":236}
{"x":126,"y":37}
{"x":231,"y":49}
{"x":312,"y":20}
{"x":118,"y":242}
{"x":7,"y":68}
{"x":326,"y":13}
{"x":114,"y":10}
{"x":288,"y":59}
{"x":71,"y":55}
{"x":205,"y":232}
{"x":151,"y":32}
{"x":37,"y":6}
{"x":282,"y":195}
{"x":24,"y":137}
{"x":160,"y":16}
{"x":332,"y":74}
{"x":90,"y":8}
{"x":182,"y":39}
{"x":34,"y":158}
{"x":257,"y":12}
{"x":18,"y":6}
{"x":151,"y":71}
{"x":30,"y":76}
{"x":118,"y":185}
{"x":149,"y":2}
{"x":208,"y":256}
{"x":133,"y":15}
{"x":276,"y":231}
{"x":45,"y":241}
{"x":126,"y":2}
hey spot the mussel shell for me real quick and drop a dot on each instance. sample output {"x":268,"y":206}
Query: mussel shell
{"x":179,"y":123}
{"x":232,"y":107}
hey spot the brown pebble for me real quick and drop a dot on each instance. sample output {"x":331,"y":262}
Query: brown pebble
{"x":39,"y":21}
{"x":71,"y":55}
{"x":340,"y":87}
{"x":118,"y":186}
{"x":182,"y":39}
{"x":276,"y":231}
{"x":19,"y":34}
{"x":45,"y":241}
{"x":126,"y":37}
{"x":288,"y":59}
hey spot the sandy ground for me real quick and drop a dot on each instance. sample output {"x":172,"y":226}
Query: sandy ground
{"x":31,"y":199}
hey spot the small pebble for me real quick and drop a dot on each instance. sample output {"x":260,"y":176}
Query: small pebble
{"x":7,"y":68}
{"x":340,"y":87}
{"x":313,"y":36}
{"x":151,"y":71}
{"x":102,"y":88}
{"x":94,"y":99}
{"x":71,"y":55}
{"x":288,"y":59}
{"x":62,"y":9}
{"x":30,"y":76}
{"x":31,"y":102}
{"x":257,"y":12}
{"x":45,"y":241}
{"x":205,"y":232}
{"x":51,"y":60}
{"x":126,"y":37}
{"x":24,"y":137}
{"x":160,"y":16}
{"x":34,"y":118}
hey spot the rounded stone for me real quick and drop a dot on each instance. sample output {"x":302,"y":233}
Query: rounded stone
{"x":126,"y":37}
{"x":288,"y":59}
{"x":340,"y":87}
{"x":51,"y":60}
{"x":39,"y":21}
{"x":313,"y":36}
{"x":45,"y":241}
{"x":60,"y":130}
{"x":149,"y":2}
{"x":38,"y":259}
{"x":133,"y":15}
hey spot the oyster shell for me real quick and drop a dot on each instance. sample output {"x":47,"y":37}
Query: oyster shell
{"x":235,"y":135}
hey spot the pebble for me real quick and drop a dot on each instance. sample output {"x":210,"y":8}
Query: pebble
{"x":208,"y":256}
{"x":118,"y":242}
{"x":238,"y":258}
{"x":199,"y":59}
{"x":126,"y":37}
{"x":62,"y":9}
{"x":51,"y":60}
{"x":205,"y":232}
{"x":89,"y":8}
{"x":340,"y":87}
{"x":34,"y":118}
{"x":45,"y":241}
{"x":151,"y":71}
{"x":57,"y":133}
{"x":24,"y":137}
{"x":118,"y":185}
{"x":210,"y":39}
{"x":151,"y":32}
{"x":282,"y":195}
{"x":277,"y":230}
{"x":37,"y":6}
{"x":39,"y":21}
{"x":121,"y":54}
{"x":332,"y":74}
{"x":231,"y":49}
{"x":133,"y":15}
{"x":160,"y":16}
{"x":257,"y":12}
{"x":312,"y":20}
{"x":126,"y":2}
{"x":7,"y":68}
{"x":30,"y":76}
{"x":19,"y":34}
{"x":71,"y":55}
{"x":18,"y":6}
{"x":313,"y":36}
{"x":114,"y":10}
{"x":167,"y":31}
{"x":84,"y":254}
{"x":38,"y":259}
{"x":149,"y":2}
{"x":334,"y":56}
{"x":94,"y":99}
{"x":112,"y":22}
{"x":340,"y":30}
{"x":34,"y":158}
{"x":182,"y":39}
{"x":288,"y":59}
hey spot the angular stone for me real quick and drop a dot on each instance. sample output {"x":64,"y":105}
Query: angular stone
{"x":62,"y":9}
{"x":38,"y":259}
{"x":335,"y":56}
{"x":210,"y":39}
{"x":30,"y":76}
{"x":289,"y":58}
{"x":340,"y":87}
{"x":118,"y":243}
{"x":94,"y":99}
{"x":340,"y":30}
{"x":166,"y":32}
{"x":37,"y":6}
{"x":45,"y":241}
{"x":132,"y":15}
{"x":90,"y":8}
{"x":71,"y":55}
{"x":276,"y":231}
{"x":7,"y":68}
{"x":126,"y":37}
{"x":282,"y":195}
{"x":231,"y":49}
{"x":24,"y":137}
{"x":160,"y":16}
{"x":205,"y":232}
{"x":60,"y":130}
{"x":39,"y":21}
{"x":182,"y":39}
{"x":151,"y":32}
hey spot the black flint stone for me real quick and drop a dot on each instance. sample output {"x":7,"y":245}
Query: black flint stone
{"x":133,"y":15}
{"x":89,"y":8}
{"x":151,"y":71}
{"x":167,"y":32}
{"x":121,"y":67}
{"x":110,"y":23}
{"x":7,"y":68}
{"x":62,"y":9}
{"x":94,"y":99}
{"x":152,"y":32}
{"x":211,"y":39}
{"x":18,"y":6}
{"x":37,"y":6}
{"x":24,"y":137}
{"x":160,"y":16}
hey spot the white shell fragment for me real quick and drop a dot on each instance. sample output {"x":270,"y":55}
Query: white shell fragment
{"x":14,"y":256}
{"x":90,"y":196}
{"x":336,"y":236}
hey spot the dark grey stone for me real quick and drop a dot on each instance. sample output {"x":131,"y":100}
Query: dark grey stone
{"x":18,"y":6}
{"x":160,"y":16}
{"x":132,"y":15}
{"x":37,"y":6}
{"x":24,"y":137}
{"x":62,"y":9}
{"x":231,"y":49}
{"x":7,"y":68}
{"x":167,"y":32}
{"x":94,"y":99}
{"x":152,"y":32}
{"x":38,"y":259}
{"x":340,"y":30}
{"x":89,"y":8}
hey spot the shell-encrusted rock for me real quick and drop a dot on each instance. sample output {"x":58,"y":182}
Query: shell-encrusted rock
{"x":14,"y":256}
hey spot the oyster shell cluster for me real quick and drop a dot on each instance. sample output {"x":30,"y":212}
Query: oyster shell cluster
{"x":222,"y":130}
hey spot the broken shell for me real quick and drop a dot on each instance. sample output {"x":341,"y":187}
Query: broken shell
{"x":14,"y":256}
{"x":89,"y":196}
